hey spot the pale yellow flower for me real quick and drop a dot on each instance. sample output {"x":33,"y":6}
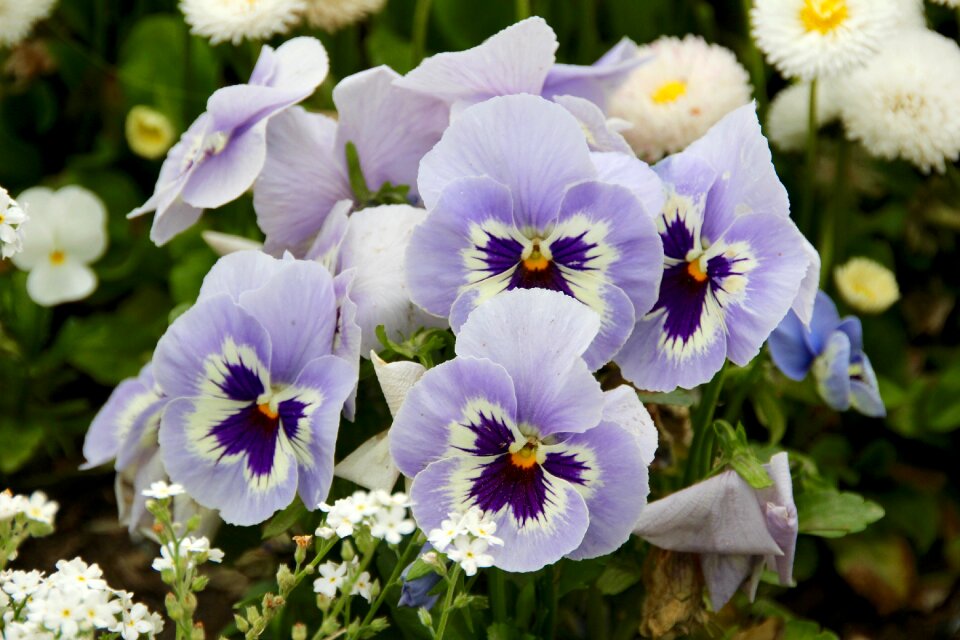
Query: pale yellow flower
{"x":866,"y":285}
{"x":149,"y":132}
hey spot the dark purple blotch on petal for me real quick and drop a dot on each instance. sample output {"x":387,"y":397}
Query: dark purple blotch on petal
{"x":502,"y":483}
{"x":492,"y":436}
{"x":500,"y":253}
{"x":566,"y":466}
{"x":547,"y":277}
{"x":240,"y":382}
{"x":572,"y":252}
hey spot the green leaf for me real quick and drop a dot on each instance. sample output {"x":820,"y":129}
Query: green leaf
{"x":806,"y":630}
{"x":769,"y":412}
{"x":739,"y":455}
{"x":829,"y":513}
{"x":20,"y":441}
{"x":419,"y":568}
{"x":617,"y":578}
{"x":679,"y":397}
{"x":578,"y":574}
{"x":285,"y":519}
{"x":358,"y":184}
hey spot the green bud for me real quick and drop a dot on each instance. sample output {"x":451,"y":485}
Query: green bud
{"x":189,"y":603}
{"x":329,"y":627}
{"x":425,"y":618}
{"x":241,"y":622}
{"x":193,"y":523}
{"x":300,"y":554}
{"x":347,"y":551}
{"x":460,"y":601}
{"x":323,"y":602}
{"x":253,"y":615}
{"x":174,"y":610}
{"x":285,"y":579}
{"x":299,"y":632}
{"x":168,"y":576}
{"x":378,"y":625}
{"x":199,"y":583}
{"x":197,"y":633}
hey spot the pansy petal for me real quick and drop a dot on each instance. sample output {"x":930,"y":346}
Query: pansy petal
{"x":864,"y":392}
{"x":766,"y":265}
{"x":634,"y":174}
{"x":225,"y":176}
{"x":515,"y":60}
{"x":310,"y":416}
{"x":297,"y":307}
{"x":854,"y":329}
{"x":806,"y":297}
{"x":824,"y":322}
{"x":224,"y":347}
{"x":528,"y":543}
{"x":396,"y":379}
{"x":223,"y":463}
{"x":534,"y":147}
{"x":173,"y":219}
{"x":51,"y":284}
{"x":789,"y":348}
{"x":299,"y":64}
{"x":38,"y":237}
{"x":594,"y":82}
{"x":781,"y":513}
{"x":832,"y":372}
{"x":302,"y":179}
{"x":370,"y":465}
{"x":325,"y":248}
{"x":392,"y":128}
{"x":617,"y":316}
{"x":600,"y":136}
{"x":346,"y":340}
{"x":622,"y":407}
{"x":718,"y":515}
{"x":724,"y":573}
{"x":605,"y":465}
{"x":467,"y":239}
{"x":463,"y":405}
{"x":538,"y":336}
{"x":226,"y":243}
{"x":238,"y":272}
{"x":375,"y":244}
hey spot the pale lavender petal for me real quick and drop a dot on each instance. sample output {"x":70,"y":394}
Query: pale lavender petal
{"x":832,"y":372}
{"x":600,"y":136}
{"x":864,"y":391}
{"x":225,"y":176}
{"x":717,"y":515}
{"x":303,"y":177}
{"x":392,"y":128}
{"x":325,"y":248}
{"x":515,"y":60}
{"x":781,"y":513}
{"x":462,"y":405}
{"x":634,"y":174}
{"x":606,"y":466}
{"x":299,"y":64}
{"x":824,"y":322}
{"x":622,"y":407}
{"x":538,"y":336}
{"x":529,"y":144}
{"x":597,"y":81}
{"x":237,"y":272}
{"x":806,"y":297}
{"x":346,"y":340}
{"x":375,"y":244}
{"x":724,"y":574}
{"x":298,"y":309}
{"x":174,"y":218}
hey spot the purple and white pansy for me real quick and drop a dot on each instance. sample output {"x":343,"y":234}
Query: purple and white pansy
{"x":220,"y":155}
{"x":514,"y":202}
{"x":517,"y":426}
{"x":733,"y":263}
{"x":255,"y":388}
{"x":833,"y":349}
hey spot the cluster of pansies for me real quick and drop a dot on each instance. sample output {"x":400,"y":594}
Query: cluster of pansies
{"x":492,"y":192}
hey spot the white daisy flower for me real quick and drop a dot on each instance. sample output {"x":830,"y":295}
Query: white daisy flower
{"x":17,"y":18}
{"x":11,"y":219}
{"x":809,"y":39}
{"x":234,"y":20}
{"x":866,"y":285}
{"x":684,"y":89}
{"x":67,"y":231}
{"x":904,"y":103}
{"x":788,"y":117}
{"x":331,"y":15}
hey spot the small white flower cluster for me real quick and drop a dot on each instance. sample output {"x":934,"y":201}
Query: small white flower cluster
{"x":334,"y":576}
{"x":385,"y":516}
{"x":471,"y":536}
{"x":160,"y":490}
{"x":11,"y":219}
{"x":195,"y":550}
{"x":37,"y":507}
{"x":73,"y":602}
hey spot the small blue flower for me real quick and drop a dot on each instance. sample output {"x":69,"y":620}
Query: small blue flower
{"x":833,"y":348}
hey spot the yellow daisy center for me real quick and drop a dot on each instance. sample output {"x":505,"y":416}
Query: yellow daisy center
{"x":823,"y":16}
{"x":669,"y":91}
{"x":57,"y":257}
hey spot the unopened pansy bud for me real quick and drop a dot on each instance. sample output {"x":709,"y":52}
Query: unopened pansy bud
{"x":149,"y":132}
{"x":866,"y":285}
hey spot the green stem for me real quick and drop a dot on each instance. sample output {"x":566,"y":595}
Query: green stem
{"x":348,"y":585}
{"x":402,"y":560}
{"x":699,"y":459}
{"x":758,"y":73}
{"x":732,"y":412}
{"x":809,"y":194}
{"x":421,"y":18}
{"x":829,"y":239}
{"x":498,"y":596}
{"x":448,"y":601}
{"x":523,"y":9}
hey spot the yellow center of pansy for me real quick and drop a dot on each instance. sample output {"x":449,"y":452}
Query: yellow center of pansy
{"x":536,"y":261}
{"x":695,"y":272}
{"x":669,"y":91}
{"x":268,"y":410}
{"x":57,"y":257}
{"x":823,"y":16}
{"x":525,"y":457}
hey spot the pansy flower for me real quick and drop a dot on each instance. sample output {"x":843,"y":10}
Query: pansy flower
{"x":734,"y":263}
{"x":223,"y":151}
{"x":306,"y":170}
{"x":736,"y":529}
{"x":833,"y":349}
{"x":255,"y":388}
{"x":518,"y":59}
{"x":514,"y":202}
{"x":517,"y":426}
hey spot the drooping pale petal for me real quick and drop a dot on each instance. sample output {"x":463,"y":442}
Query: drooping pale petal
{"x":299,"y":64}
{"x":533,"y":146}
{"x":515,"y":60}
{"x":80,"y":220}
{"x":370,"y":465}
{"x":539,"y":521}
{"x":297,"y":308}
{"x":130,"y":401}
{"x":606,"y":466}
{"x":464,"y":405}
{"x":396,"y":379}
{"x":806,"y":297}
{"x":50,"y":284}
{"x":224,"y":243}
{"x":375,"y":244}
{"x":597,"y":81}
{"x":600,"y":135}
{"x":622,"y":407}
{"x":226,"y":175}
{"x":538,"y":336}
{"x":781,"y":512}
{"x":718,"y":515}
{"x":346,"y":340}
{"x":325,"y":248}
{"x":725,"y":573}
{"x":302,"y":179}
{"x":392,"y":128}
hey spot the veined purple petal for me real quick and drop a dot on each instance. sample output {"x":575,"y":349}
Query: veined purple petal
{"x":789,"y":348}
{"x":629,"y":171}
{"x":597,"y":81}
{"x":600,"y":135}
{"x":533,"y":146}
{"x":622,"y":407}
{"x":832,"y":371}
{"x":237,"y":272}
{"x":458,"y":407}
{"x":299,"y":64}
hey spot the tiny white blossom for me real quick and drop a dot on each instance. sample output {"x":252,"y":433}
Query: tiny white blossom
{"x":160,"y":490}
{"x":136,"y":620}
{"x":76,"y":572}
{"x":392,"y":524}
{"x":11,"y":219}
{"x":331,"y":578}
{"x":40,"y":509}
{"x":470,"y":554}
{"x":165,"y":562}
{"x":22,"y":584}
{"x":449,"y":529}
{"x":363,"y":587}
{"x":11,"y":505}
{"x":324,"y":532}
